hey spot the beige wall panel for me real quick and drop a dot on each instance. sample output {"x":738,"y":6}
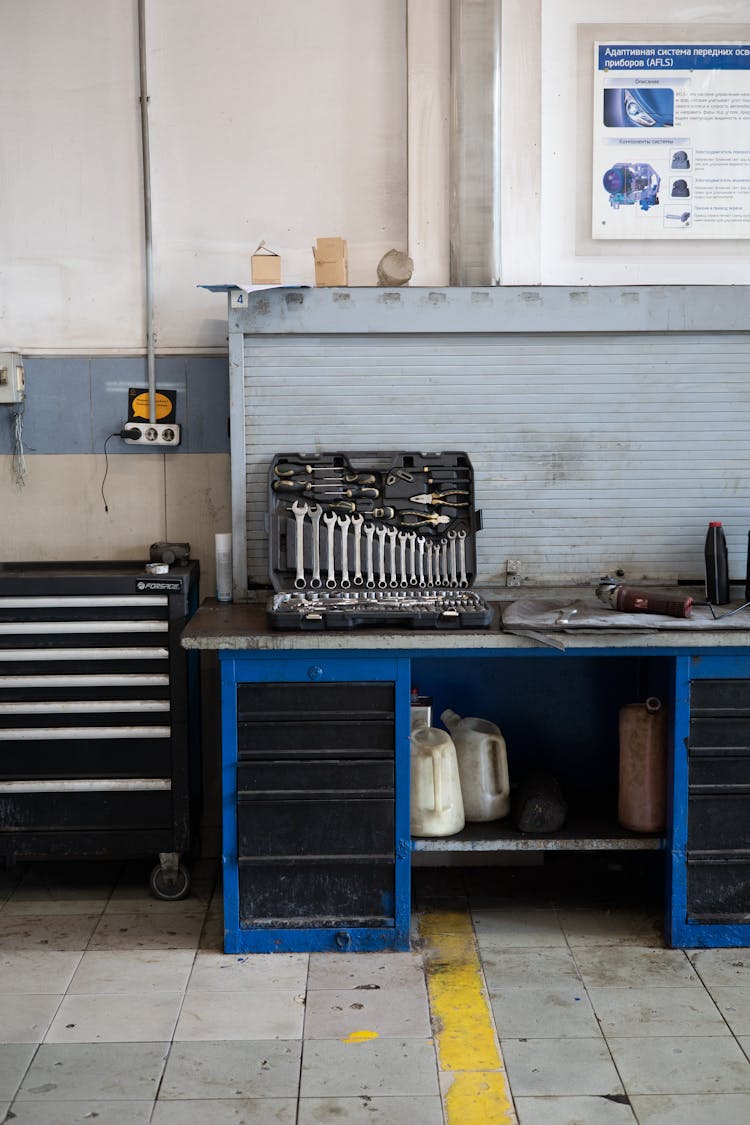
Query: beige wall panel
{"x":59,"y":514}
{"x":71,"y":225}
{"x":279,"y":121}
{"x":199,"y":505}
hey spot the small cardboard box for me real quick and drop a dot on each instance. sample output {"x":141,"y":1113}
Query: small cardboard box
{"x":265,"y":266}
{"x":331,"y":262}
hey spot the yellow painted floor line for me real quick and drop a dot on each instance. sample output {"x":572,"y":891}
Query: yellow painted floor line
{"x":474,"y":1084}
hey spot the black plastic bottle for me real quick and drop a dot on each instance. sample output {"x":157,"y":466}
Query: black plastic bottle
{"x":717,"y":565}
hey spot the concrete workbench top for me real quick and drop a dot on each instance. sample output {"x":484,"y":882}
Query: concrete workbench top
{"x":244,"y":626}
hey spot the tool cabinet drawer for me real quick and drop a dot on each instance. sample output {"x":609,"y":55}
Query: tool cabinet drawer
{"x":315,"y":826}
{"x":314,"y":738}
{"x":283,"y":702}
{"x":719,"y":773}
{"x":92,"y":808}
{"x":97,"y":757}
{"x":326,"y":892}
{"x":719,"y":822}
{"x":716,"y":697}
{"x":718,"y":889}
{"x":718,"y":733}
{"x":304,"y":778}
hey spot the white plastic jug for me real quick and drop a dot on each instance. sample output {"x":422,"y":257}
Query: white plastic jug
{"x":436,"y":805}
{"x":482,"y":766}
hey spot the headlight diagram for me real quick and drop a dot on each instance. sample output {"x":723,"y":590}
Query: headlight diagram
{"x":632,"y":183}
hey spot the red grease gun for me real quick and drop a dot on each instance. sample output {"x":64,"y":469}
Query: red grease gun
{"x":629,"y":600}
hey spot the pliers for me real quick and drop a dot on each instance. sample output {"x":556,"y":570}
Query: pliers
{"x":438,"y":498}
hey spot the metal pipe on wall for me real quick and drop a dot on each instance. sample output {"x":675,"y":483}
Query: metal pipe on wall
{"x":147,"y":230}
{"x":475,"y":142}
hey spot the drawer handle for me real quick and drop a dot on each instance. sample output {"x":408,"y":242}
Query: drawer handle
{"x":343,"y":940}
{"x":315,"y":672}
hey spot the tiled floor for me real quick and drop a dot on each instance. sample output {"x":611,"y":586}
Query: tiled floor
{"x":118,"y":1008}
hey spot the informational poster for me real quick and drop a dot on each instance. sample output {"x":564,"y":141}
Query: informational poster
{"x":671,"y":153}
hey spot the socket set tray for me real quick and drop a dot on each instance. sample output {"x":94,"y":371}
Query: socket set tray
{"x":365,"y":539}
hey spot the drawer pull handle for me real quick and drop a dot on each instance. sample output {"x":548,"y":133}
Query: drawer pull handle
{"x":315,"y":672}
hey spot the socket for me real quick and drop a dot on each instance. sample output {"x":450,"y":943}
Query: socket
{"x":150,"y":433}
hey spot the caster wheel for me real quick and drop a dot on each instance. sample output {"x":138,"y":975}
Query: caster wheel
{"x":169,"y":890}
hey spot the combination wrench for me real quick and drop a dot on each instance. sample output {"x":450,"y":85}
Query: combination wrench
{"x":343,"y":522}
{"x":421,"y":544}
{"x":402,"y":558}
{"x":300,"y":511}
{"x":391,"y":533}
{"x":452,"y":557}
{"x":430,"y":579}
{"x":329,"y":519}
{"x":412,"y":541}
{"x":380,"y":531}
{"x":315,"y":512}
{"x":369,"y":533}
{"x":462,"y":579}
{"x":357,"y":521}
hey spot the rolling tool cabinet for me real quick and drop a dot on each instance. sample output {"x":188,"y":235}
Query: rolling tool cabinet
{"x":99,"y":753}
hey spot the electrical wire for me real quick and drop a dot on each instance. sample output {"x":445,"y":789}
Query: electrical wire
{"x":115,"y":433}
{"x":18,"y":460}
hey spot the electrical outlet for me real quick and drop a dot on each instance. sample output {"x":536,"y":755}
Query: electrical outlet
{"x":513,"y":572}
{"x":150,"y":433}
{"x":12,"y":382}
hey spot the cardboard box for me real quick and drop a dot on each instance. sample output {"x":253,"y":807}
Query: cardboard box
{"x":265,"y":266}
{"x":331,"y":261}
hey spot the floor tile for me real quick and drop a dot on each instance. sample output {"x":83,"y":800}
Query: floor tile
{"x":693,"y":1109}
{"x":643,"y":1012}
{"x":70,"y":1072}
{"x":218,"y":972}
{"x":82,"y":1113}
{"x":681,"y":1065}
{"x":534,"y":968}
{"x":38,"y":971}
{"x":244,"y":1111}
{"x":583,"y":926}
{"x":14,"y":1060}
{"x":389,"y":1012}
{"x":593,"y":1110}
{"x":371,"y":1111}
{"x":729,"y":968}
{"x":734,"y":1005}
{"x":228,"y":1015}
{"x":25,"y":1019}
{"x":105,"y":972}
{"x":148,"y":931}
{"x":539,"y":1013}
{"x":26,"y":932}
{"x":364,"y":970}
{"x":40,"y":907}
{"x":231,"y":1070}
{"x":135,"y":1018}
{"x":559,"y":1066}
{"x":642,"y":968}
{"x":516,"y":927}
{"x":388,"y":1067}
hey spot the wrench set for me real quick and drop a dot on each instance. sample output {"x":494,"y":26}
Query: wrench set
{"x":373,"y":538}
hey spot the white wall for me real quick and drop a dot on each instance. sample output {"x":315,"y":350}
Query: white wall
{"x":284,"y":120}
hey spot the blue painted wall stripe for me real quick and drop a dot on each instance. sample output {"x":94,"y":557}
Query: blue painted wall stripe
{"x":73,"y":403}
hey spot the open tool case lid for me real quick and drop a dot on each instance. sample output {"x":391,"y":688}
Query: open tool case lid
{"x":386,"y":538}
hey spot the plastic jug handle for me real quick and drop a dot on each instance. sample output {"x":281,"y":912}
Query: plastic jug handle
{"x":500,"y":762}
{"x":437,"y":778}
{"x":449,"y":718}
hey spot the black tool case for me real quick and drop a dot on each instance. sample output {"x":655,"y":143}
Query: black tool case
{"x":359,"y":539}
